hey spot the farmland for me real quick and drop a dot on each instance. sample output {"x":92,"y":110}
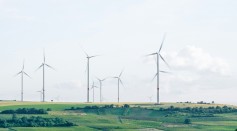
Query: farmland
{"x":129,"y":116}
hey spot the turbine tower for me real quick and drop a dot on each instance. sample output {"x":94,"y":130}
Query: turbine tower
{"x":22,"y":73}
{"x":119,"y":81}
{"x":100,"y":81}
{"x":93,"y":87}
{"x":43,"y":65}
{"x":158,"y":56}
{"x":88,"y":74}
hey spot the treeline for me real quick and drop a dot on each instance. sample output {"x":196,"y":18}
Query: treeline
{"x":34,"y":121}
{"x":26,"y":111}
{"x":215,"y":110}
{"x":99,"y":107}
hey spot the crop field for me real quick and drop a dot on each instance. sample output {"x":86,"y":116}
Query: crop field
{"x":129,"y":116}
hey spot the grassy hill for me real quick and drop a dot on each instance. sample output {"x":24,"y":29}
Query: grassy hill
{"x":138,"y":116}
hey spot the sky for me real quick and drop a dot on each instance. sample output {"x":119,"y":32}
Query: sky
{"x":200,"y":48}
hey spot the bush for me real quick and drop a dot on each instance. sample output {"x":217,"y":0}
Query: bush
{"x":187,"y":121}
{"x":95,"y":107}
{"x":25,"y":111}
{"x":34,"y":121}
{"x":126,"y":106}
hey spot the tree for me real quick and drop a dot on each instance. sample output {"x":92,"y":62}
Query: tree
{"x":126,"y":106}
{"x":187,"y":121}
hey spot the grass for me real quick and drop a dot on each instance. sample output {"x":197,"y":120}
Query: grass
{"x":125,"y":120}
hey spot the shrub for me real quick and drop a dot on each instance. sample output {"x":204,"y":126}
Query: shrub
{"x":126,"y":106}
{"x":25,"y":111}
{"x":187,"y":121}
{"x":95,"y":107}
{"x":34,"y":121}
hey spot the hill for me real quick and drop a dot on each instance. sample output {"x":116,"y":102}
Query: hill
{"x":127,"y":116}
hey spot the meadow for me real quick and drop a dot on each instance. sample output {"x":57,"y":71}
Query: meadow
{"x":138,"y":116}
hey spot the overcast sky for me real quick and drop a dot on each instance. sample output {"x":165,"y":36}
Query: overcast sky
{"x":200,"y":47}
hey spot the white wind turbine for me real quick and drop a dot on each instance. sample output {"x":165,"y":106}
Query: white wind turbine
{"x":93,"y":87}
{"x":100,"y":81}
{"x":150,"y":98}
{"x":41,"y":93}
{"x":22,"y":73}
{"x":158,"y":56}
{"x":88,"y":74}
{"x":119,"y":81}
{"x":43,"y":65}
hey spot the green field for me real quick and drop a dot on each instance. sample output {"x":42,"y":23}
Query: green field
{"x":139,"y":116}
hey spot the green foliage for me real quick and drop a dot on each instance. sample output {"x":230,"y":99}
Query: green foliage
{"x":210,"y":110}
{"x":34,"y":121}
{"x":126,"y":106}
{"x":25,"y":111}
{"x":92,"y":107}
{"x":187,"y":121}
{"x":49,"y":109}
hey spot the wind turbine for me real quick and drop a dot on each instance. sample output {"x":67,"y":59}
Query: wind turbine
{"x":88,"y":74}
{"x":150,"y":98}
{"x":100,"y":81}
{"x":119,"y":81}
{"x":158,"y":56}
{"x":43,"y":65}
{"x":41,"y":93}
{"x":22,"y":73}
{"x":93,"y":87}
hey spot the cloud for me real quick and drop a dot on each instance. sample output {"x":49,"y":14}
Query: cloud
{"x":195,"y":70}
{"x":197,"y":60}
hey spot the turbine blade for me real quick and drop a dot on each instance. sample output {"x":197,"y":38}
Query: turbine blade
{"x":162,"y":42}
{"x":26,"y":74}
{"x":165,"y":72}
{"x":50,"y":66}
{"x":84,"y":51}
{"x":93,"y":56}
{"x":104,"y":79}
{"x":39,"y":67}
{"x":86,"y":68}
{"x":17,"y":74}
{"x":95,"y":86}
{"x":164,"y":60}
{"x":23,"y":67}
{"x":98,"y":78}
{"x":154,"y":77}
{"x":121,"y":82}
{"x":151,"y":54}
{"x":121,"y":73}
{"x":92,"y":86}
